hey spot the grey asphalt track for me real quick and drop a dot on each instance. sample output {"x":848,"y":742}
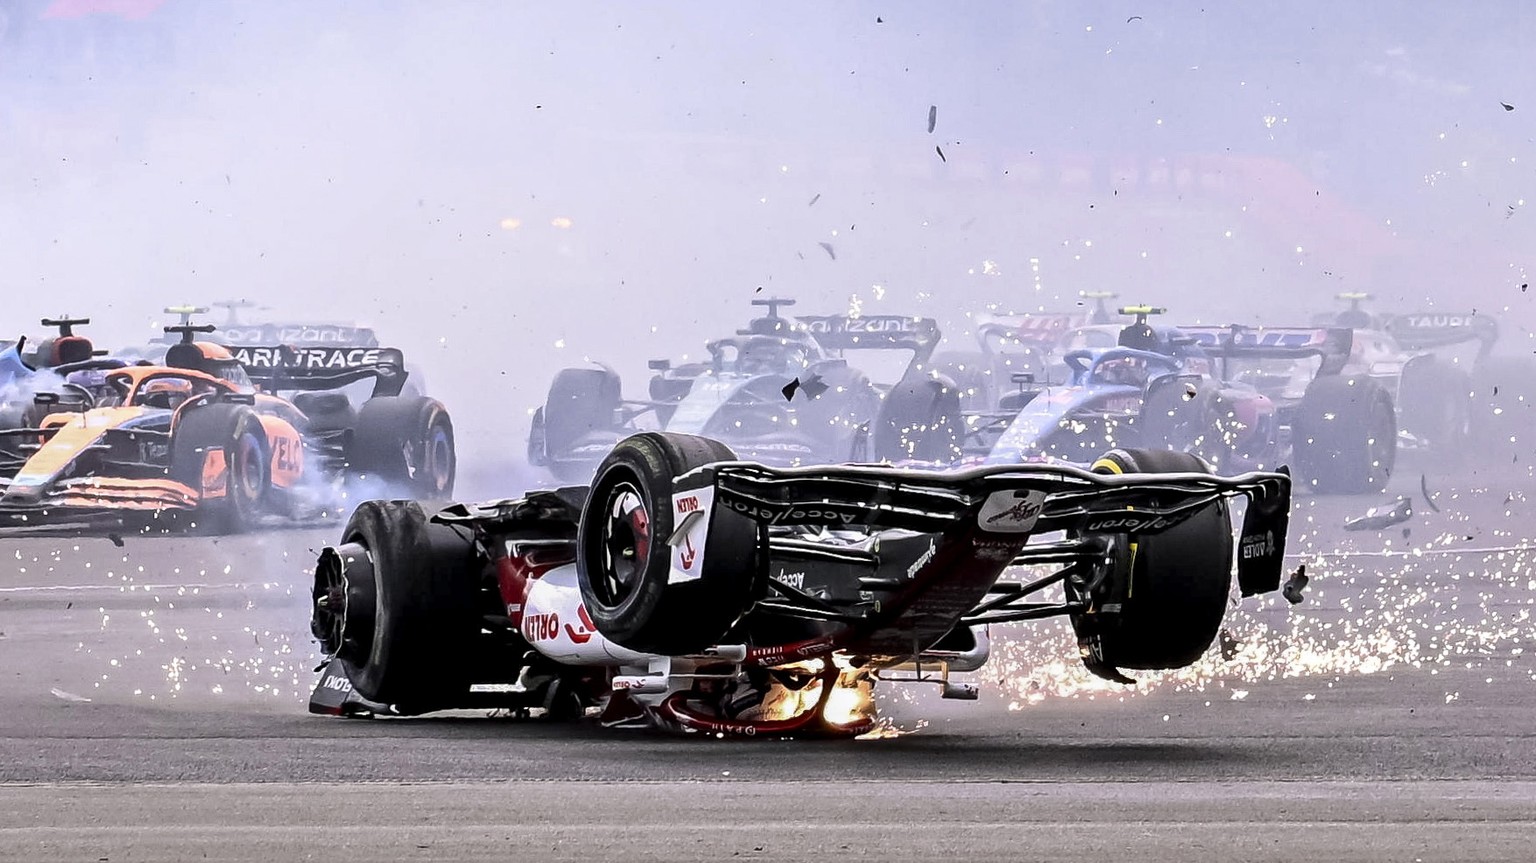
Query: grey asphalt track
{"x":153,"y":709}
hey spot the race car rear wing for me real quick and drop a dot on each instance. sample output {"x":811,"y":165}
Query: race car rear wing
{"x":1333,"y":344}
{"x":1004,"y":500}
{"x":874,"y":332}
{"x":306,"y":367}
{"x":1423,"y":331}
{"x":1036,"y":330}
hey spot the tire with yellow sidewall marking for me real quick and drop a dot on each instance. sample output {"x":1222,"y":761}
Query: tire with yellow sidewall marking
{"x":1179,"y":578}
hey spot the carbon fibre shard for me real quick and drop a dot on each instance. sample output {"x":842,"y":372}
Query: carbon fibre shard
{"x":1382,"y":517}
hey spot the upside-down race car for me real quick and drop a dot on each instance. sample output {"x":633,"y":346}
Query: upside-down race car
{"x":196,"y":436}
{"x":692,"y":591}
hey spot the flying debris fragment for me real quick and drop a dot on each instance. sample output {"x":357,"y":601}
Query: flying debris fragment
{"x":811,"y":386}
{"x":1424,"y":489}
{"x":1230,"y":645}
{"x":1507,"y":106}
{"x":940,"y":151}
{"x":1383,"y":517}
{"x":1295,"y":585}
{"x":933,"y":117}
{"x":831,"y":252}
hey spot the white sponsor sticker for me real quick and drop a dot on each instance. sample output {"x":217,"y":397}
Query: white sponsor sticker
{"x":690,"y":520}
{"x":1011,"y":511}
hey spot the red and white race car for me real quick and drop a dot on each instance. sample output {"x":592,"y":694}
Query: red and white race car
{"x":690,"y":591}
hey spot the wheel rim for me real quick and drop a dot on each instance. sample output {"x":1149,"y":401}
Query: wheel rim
{"x":439,"y":460}
{"x":625,"y":543}
{"x":344,"y":597}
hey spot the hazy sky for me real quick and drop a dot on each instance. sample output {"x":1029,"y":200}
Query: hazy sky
{"x":486,"y":181}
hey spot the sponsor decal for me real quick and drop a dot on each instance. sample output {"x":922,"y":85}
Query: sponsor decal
{"x":1439,"y":321}
{"x":793,"y":579}
{"x":306,"y":358}
{"x":1128,"y":523}
{"x":781,"y":446}
{"x":299,"y":334}
{"x":1014,"y":511}
{"x":585,"y":632}
{"x":923,"y":559}
{"x":541,"y":627}
{"x":1258,"y":545}
{"x":690,"y":517}
{"x":866,"y":324}
{"x":995,"y":550}
{"x":781,"y":653}
{"x":336,"y":683}
{"x":1258,"y":338}
{"x":816,"y":513}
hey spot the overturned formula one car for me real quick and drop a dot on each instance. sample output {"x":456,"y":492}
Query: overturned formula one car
{"x":690,"y":591}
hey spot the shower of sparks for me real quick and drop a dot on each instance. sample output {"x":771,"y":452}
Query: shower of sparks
{"x":1356,"y":621}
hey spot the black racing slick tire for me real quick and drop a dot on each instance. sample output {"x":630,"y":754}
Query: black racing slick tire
{"x":398,"y":601}
{"x":220,"y":450}
{"x":406,"y":441}
{"x":919,"y":421}
{"x":1200,"y":421}
{"x":624,"y":558}
{"x":1345,"y":435}
{"x":1175,"y":583}
{"x":837,"y":418}
{"x":972,"y":374}
{"x":582,"y":408}
{"x":1435,"y":403}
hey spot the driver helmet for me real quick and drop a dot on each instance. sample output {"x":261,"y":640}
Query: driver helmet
{"x":1141,"y":337}
{"x":1358,"y":319}
{"x":1128,"y":371}
{"x":93,"y":381}
{"x":764,"y":354}
{"x":168,"y":393}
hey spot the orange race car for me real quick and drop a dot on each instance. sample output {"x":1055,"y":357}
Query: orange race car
{"x":205,"y":433}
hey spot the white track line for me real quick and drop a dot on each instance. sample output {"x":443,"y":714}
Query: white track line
{"x":132,"y":588}
{"x":1434,"y":552}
